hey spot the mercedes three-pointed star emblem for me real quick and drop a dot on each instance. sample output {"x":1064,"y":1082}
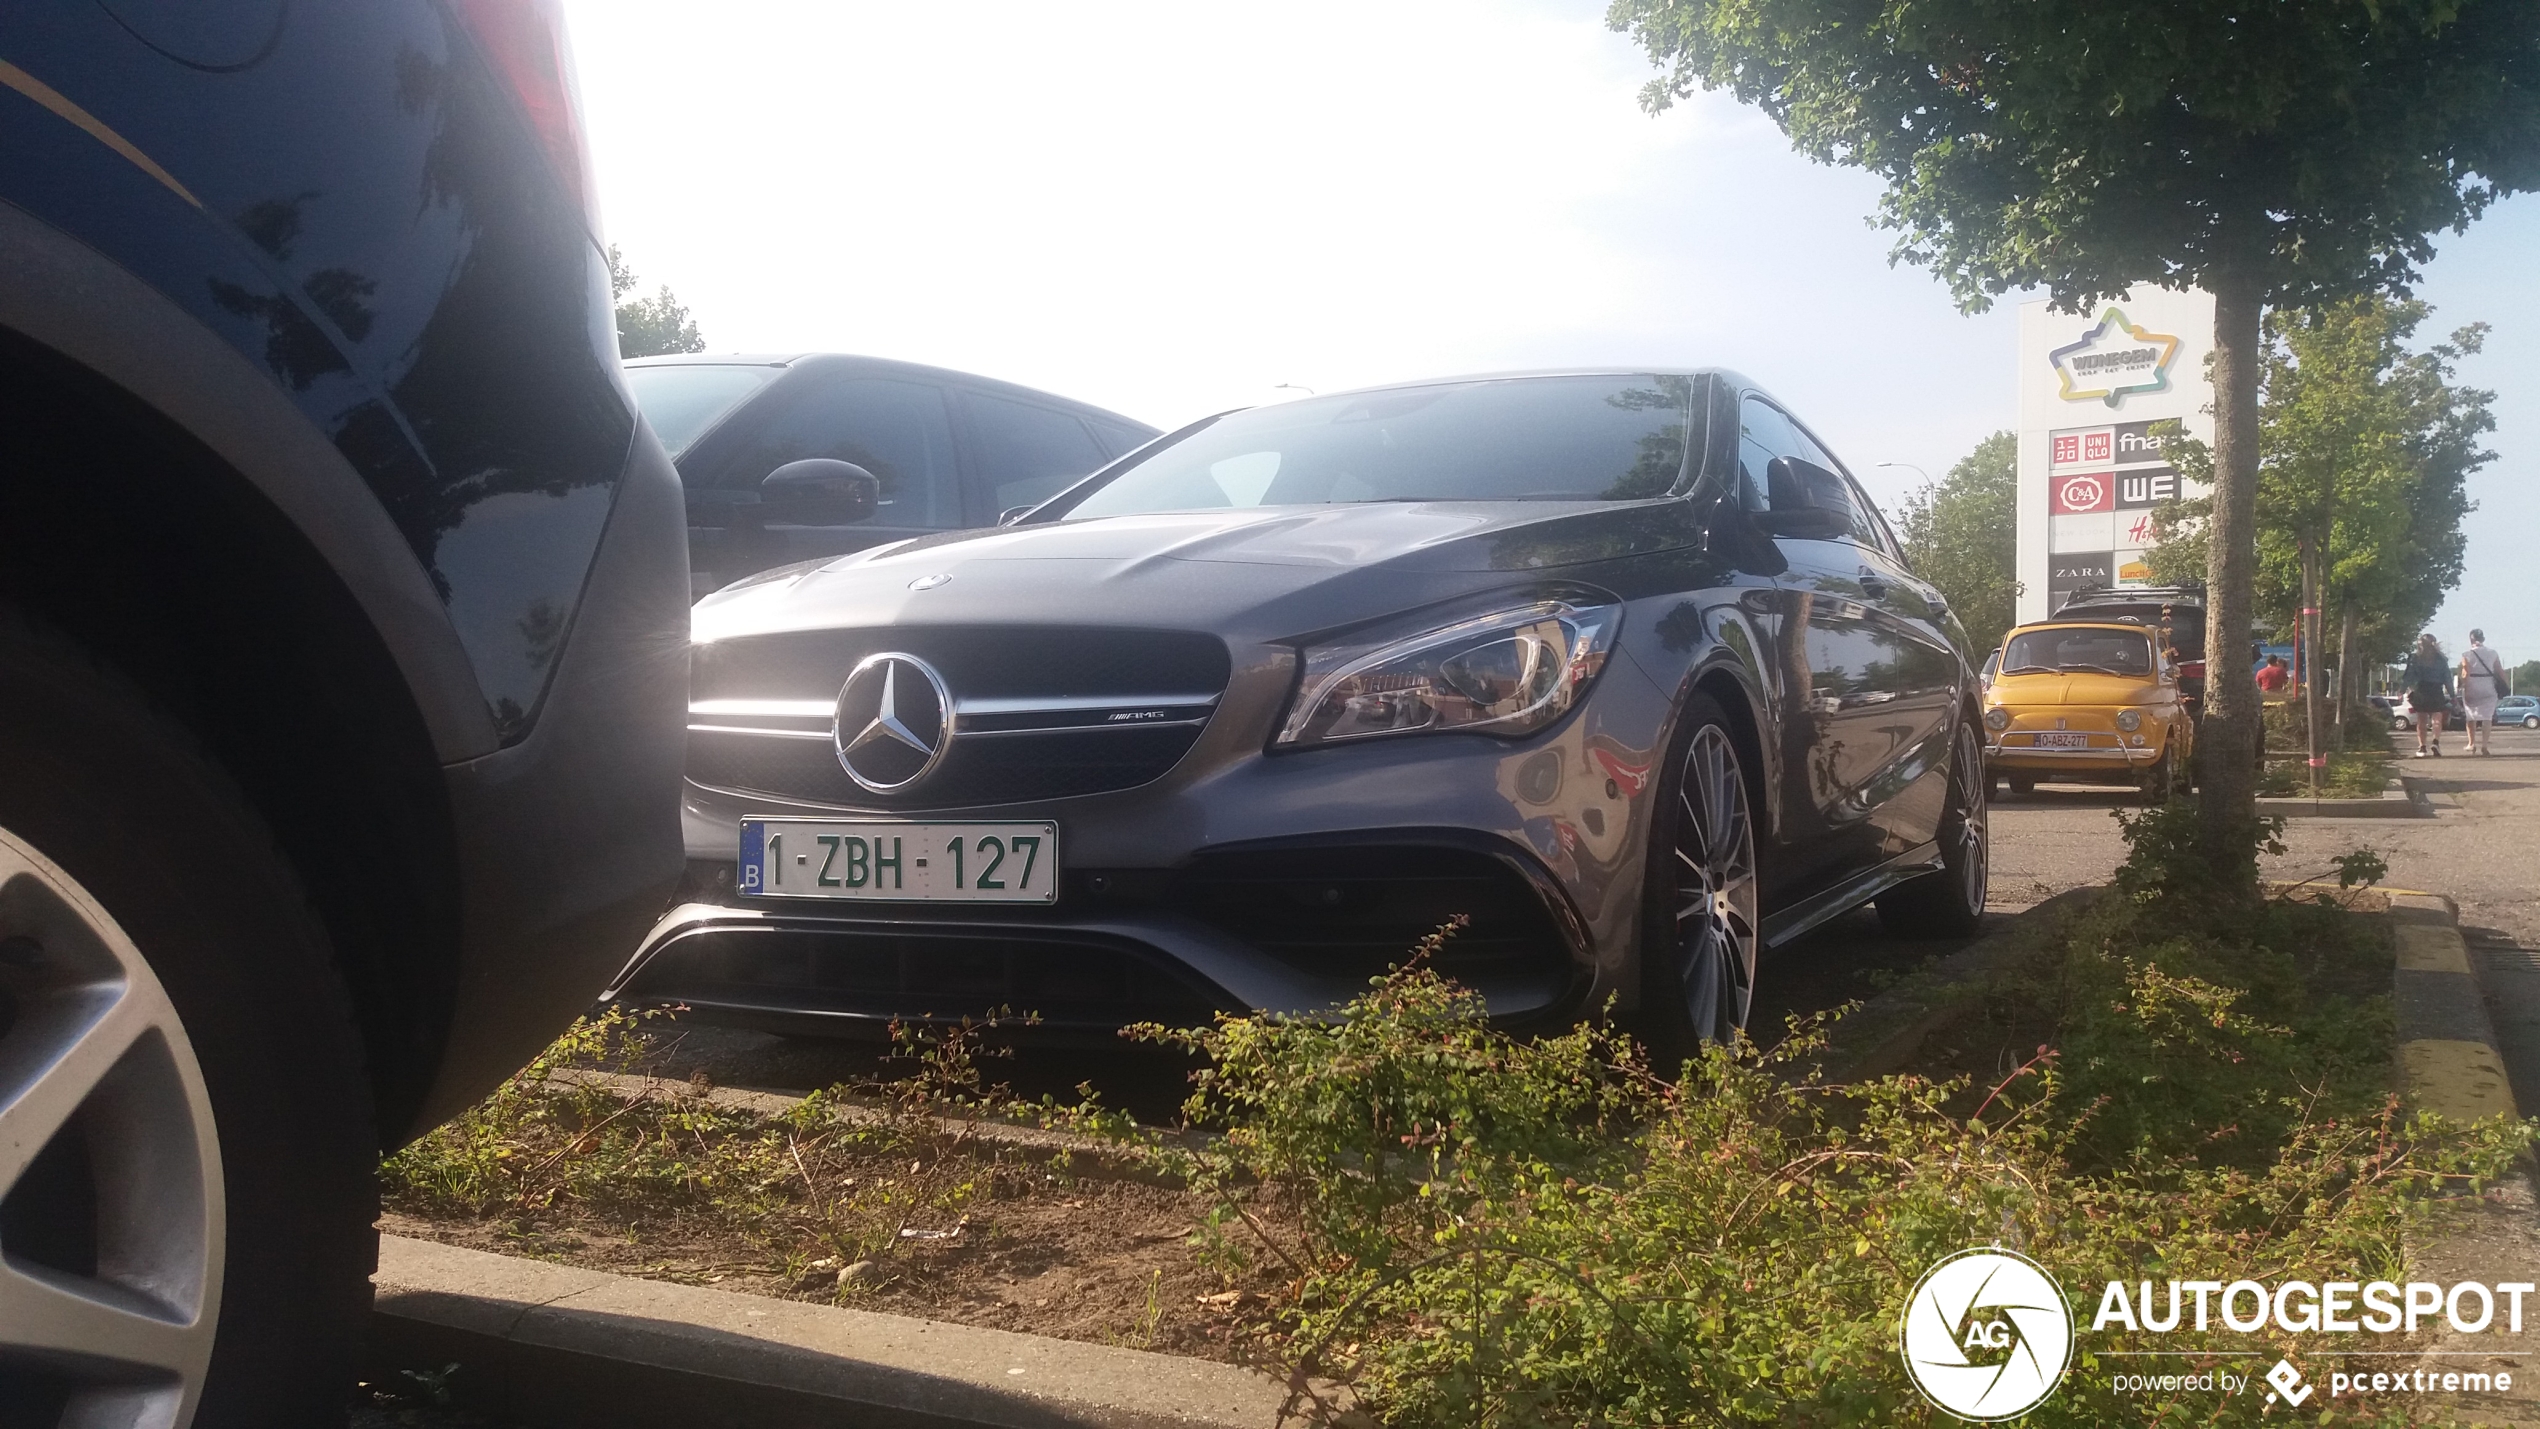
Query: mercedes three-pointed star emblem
{"x":895,"y":721}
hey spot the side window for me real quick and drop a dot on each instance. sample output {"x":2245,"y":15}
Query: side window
{"x":896,"y":430}
{"x":1026,"y":454}
{"x":1122,"y":440}
{"x":1763,"y":433}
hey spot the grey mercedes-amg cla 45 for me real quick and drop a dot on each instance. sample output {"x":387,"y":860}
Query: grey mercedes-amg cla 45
{"x":1620,"y":667}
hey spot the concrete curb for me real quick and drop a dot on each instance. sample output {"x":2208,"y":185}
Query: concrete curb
{"x":566,"y":1348}
{"x":2448,"y":1057}
{"x":1884,"y":1033}
{"x":2406,"y":802}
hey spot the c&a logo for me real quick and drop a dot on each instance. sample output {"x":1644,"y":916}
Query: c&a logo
{"x":1986,"y":1335}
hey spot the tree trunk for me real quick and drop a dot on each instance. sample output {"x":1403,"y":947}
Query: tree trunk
{"x":2350,"y":690}
{"x":2310,"y":627}
{"x":2229,"y":781}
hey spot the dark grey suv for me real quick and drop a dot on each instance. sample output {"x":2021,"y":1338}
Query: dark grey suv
{"x":1620,"y":666}
{"x":342,"y":611}
{"x":788,"y":459}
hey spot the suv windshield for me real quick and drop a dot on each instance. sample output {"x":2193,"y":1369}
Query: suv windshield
{"x":1599,"y":438}
{"x":682,"y":399}
{"x":2091,"y":649}
{"x":2183,"y":621}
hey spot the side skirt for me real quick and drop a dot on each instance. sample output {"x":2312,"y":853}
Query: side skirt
{"x":1804,"y":916}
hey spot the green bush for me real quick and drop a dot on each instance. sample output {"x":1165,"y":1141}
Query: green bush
{"x":1476,"y":1229}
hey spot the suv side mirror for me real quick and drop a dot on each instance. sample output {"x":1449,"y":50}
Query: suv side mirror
{"x":1809,"y":502}
{"x":819,"y":491}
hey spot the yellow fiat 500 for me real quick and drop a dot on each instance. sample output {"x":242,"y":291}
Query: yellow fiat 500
{"x":2091,"y":701}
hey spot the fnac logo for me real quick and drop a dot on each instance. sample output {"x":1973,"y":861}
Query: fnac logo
{"x":2077,"y":494}
{"x":2114,"y":359}
{"x":1987,"y":1335}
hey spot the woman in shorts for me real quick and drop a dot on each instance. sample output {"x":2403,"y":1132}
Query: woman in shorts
{"x":2482,"y":680}
{"x":2429,"y":684}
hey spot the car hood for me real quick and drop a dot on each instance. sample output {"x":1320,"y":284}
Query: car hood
{"x":2017,"y":691}
{"x":1264,"y":571}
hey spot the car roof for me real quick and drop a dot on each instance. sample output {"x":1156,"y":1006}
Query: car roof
{"x":2135,"y":595}
{"x":889,"y":366}
{"x":2136,"y":627}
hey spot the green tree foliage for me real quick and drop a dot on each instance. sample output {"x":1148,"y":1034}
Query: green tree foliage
{"x":2269,"y":153}
{"x":2364,"y":454}
{"x":649,"y":327}
{"x":2525,"y":678}
{"x":1961,"y":534}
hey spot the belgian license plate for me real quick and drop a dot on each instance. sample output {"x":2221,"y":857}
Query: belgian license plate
{"x":892,"y":862}
{"x":2053,"y":740}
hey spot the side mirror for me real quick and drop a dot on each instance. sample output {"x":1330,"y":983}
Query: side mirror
{"x":819,"y":491}
{"x":1807,"y":524}
{"x":1810,"y":503}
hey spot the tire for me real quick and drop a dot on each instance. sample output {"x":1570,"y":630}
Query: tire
{"x":2531,"y":722}
{"x":1949,"y":903}
{"x":161,"y":965}
{"x":2161,"y":780}
{"x":1700,"y":939}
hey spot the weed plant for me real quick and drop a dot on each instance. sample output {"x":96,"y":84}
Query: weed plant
{"x":851,"y":1172}
{"x":2347,"y":776}
{"x":1476,"y":1229}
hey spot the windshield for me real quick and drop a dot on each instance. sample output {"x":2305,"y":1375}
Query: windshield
{"x":682,"y":399}
{"x":2091,"y":649}
{"x":1601,"y":438}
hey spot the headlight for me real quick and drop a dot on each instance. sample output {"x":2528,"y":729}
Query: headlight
{"x":1997,"y":718}
{"x":1509,"y":672}
{"x":2129,"y":720}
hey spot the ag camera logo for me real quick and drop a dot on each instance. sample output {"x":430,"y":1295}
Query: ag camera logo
{"x":1986,"y":1335}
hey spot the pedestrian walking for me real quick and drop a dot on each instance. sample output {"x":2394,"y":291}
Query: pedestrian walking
{"x":2482,"y":680}
{"x":2429,"y":682}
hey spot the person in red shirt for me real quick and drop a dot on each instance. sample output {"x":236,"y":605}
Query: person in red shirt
{"x":2274,"y":676}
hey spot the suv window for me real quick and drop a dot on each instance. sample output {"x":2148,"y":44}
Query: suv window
{"x":1122,"y":440}
{"x":896,"y":430}
{"x":1026,"y":454}
{"x":1764,"y":433}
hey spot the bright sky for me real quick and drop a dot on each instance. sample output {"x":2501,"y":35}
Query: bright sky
{"x":1171,"y":208}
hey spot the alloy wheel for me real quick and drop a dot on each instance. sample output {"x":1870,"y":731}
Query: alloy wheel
{"x":1715,"y":888}
{"x":1970,"y":790}
{"x":111,"y":1217}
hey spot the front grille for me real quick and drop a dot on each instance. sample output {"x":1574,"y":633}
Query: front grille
{"x":1000,"y":662}
{"x":1351,"y":912}
{"x":1064,"y":980}
{"x":1046,"y":712}
{"x":1007,"y":769}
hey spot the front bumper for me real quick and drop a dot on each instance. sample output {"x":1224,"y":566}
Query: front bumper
{"x":1239,"y":880}
{"x":2023,"y":757}
{"x":569,"y":840}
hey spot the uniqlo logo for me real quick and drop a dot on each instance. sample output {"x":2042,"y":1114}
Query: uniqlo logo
{"x":2095,"y":445}
{"x":2066,"y":449}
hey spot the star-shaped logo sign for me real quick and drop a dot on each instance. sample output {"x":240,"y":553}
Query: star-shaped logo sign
{"x":2114,"y":359}
{"x":891,"y":732}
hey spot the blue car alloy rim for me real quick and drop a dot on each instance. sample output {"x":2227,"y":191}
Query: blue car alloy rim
{"x":1715,"y":888}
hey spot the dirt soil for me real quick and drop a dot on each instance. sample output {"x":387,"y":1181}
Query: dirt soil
{"x":1080,"y":1257}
